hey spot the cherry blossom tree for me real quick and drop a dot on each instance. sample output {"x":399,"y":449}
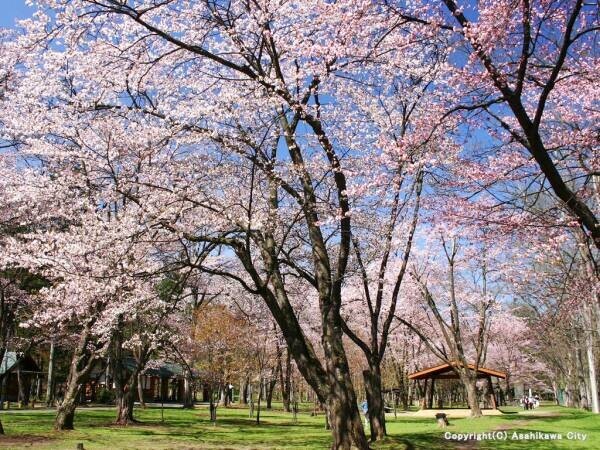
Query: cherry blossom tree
{"x":266,"y":144}
{"x":453,"y":316}
{"x":522,"y":72}
{"x":558,"y":302}
{"x":266,"y":97}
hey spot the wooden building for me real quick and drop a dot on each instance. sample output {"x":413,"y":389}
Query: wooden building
{"x":18,"y":375}
{"x":161,"y":382}
{"x":448,"y":372}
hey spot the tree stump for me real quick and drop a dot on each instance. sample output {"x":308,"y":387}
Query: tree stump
{"x":442,"y":420}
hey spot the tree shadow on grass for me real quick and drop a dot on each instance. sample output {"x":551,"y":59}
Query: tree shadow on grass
{"x":234,"y":432}
{"x":24,"y":440}
{"x":417,"y":441}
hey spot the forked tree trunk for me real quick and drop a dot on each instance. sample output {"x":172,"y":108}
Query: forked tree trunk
{"x":126,"y":379}
{"x":127,"y":388}
{"x":332,"y":382}
{"x":80,"y":359}
{"x":376,"y":413}
{"x":65,"y":414}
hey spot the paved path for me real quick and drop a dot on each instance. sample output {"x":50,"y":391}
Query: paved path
{"x":456,"y":413}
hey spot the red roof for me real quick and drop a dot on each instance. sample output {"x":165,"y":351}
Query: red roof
{"x":446,"y":371}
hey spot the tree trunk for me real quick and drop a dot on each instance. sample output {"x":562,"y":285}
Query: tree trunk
{"x":65,"y":414}
{"x":593,"y":380}
{"x":224,"y":397}
{"x":125,"y":404}
{"x":4,"y":379}
{"x":270,"y":390}
{"x":244,"y":392}
{"x":2,"y":391}
{"x":555,"y":391}
{"x":125,"y":391}
{"x":140,"y":389}
{"x":80,"y":359}
{"x":423,"y":394}
{"x":50,"y":384}
{"x":591,"y":360}
{"x":376,"y":407}
{"x":569,"y":390}
{"x":344,"y":419}
{"x":260,"y":390}
{"x":582,"y":379}
{"x":126,"y":380}
{"x":212,"y":407}
{"x":509,"y":392}
{"x":285,"y":380}
{"x":471,"y":388}
{"x":342,"y":408}
{"x":431,"y":392}
{"x":491,"y":393}
{"x":332,"y":383}
{"x":188,"y":401}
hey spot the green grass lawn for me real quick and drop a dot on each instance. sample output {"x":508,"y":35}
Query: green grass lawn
{"x":191,"y":429}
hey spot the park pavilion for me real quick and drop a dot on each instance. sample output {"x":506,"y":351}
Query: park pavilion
{"x":447,"y":371}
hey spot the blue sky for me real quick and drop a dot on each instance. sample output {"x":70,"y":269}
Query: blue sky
{"x":10,"y":10}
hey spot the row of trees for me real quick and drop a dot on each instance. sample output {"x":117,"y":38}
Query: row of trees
{"x":357,"y":167}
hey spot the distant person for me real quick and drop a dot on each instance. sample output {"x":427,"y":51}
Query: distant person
{"x":532,"y":402}
{"x":365,"y":409}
